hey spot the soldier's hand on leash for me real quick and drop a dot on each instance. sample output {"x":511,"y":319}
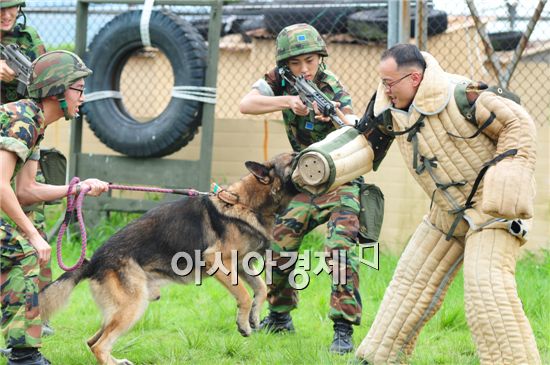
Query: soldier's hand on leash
{"x":42,"y":248}
{"x":97,"y":187}
{"x":6,"y":73}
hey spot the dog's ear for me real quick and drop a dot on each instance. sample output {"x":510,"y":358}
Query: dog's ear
{"x":260,"y":171}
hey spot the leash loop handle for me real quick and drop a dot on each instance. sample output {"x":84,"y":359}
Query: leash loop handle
{"x":72,"y":204}
{"x":75,"y":199}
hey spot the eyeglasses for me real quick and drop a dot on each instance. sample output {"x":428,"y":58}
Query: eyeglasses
{"x":390,"y":84}
{"x":77,"y":89}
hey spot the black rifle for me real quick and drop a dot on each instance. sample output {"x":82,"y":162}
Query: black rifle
{"x":308,"y":93}
{"x":19,"y":63}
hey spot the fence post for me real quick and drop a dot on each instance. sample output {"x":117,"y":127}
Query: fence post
{"x":421,"y":25}
{"x":399,"y":22}
{"x":208,"y":116}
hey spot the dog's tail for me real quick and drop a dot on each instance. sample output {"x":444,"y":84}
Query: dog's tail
{"x":56,"y":294}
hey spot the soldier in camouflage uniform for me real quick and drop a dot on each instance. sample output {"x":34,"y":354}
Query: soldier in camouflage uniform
{"x":301,"y":49}
{"x":31,"y":45}
{"x":25,"y":37}
{"x":55,"y":90}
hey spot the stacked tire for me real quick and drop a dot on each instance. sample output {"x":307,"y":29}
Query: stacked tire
{"x":327,"y":20}
{"x":372,"y":25}
{"x":108,"y":53}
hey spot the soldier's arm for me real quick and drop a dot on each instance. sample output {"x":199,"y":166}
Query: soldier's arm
{"x":10,"y":206}
{"x":509,"y":185}
{"x":29,"y":191}
{"x":257,"y":103}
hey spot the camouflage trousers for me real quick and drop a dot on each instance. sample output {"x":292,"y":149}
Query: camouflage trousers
{"x":37,"y":218}
{"x":36,"y":215}
{"x":19,"y":270}
{"x":339,"y":209}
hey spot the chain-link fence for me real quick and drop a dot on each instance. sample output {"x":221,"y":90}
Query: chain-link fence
{"x":355,"y":31}
{"x":356,"y":35}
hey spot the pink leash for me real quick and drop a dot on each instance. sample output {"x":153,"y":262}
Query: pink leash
{"x":76,"y":203}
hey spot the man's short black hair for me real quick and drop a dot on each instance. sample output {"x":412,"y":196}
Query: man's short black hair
{"x":405,"y":55}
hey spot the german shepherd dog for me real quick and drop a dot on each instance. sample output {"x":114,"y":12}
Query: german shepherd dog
{"x":128,"y":270}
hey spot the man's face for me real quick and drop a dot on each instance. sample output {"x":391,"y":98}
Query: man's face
{"x":306,"y":64}
{"x":74,"y":96}
{"x":8,"y":16}
{"x":400,"y":84}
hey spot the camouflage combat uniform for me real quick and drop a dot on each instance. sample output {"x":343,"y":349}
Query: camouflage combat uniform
{"x":31,"y":45}
{"x":21,"y":130}
{"x":338,"y":208}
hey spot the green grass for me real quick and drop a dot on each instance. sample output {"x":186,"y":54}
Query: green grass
{"x":63,"y":46}
{"x":196,"y":324}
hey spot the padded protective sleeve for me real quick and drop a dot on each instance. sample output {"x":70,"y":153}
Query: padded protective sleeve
{"x":509,"y":187}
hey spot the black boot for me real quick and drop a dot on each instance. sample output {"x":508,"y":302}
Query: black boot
{"x":277,"y":323}
{"x":342,"y":342}
{"x":27,"y":356}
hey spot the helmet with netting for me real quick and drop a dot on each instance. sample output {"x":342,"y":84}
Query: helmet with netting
{"x":299,"y":39}
{"x":11,"y":3}
{"x":53,"y":72}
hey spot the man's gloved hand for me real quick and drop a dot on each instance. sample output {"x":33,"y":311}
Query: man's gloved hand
{"x":509,"y":190}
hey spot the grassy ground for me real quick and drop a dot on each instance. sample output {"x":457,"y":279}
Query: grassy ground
{"x":196,"y":324}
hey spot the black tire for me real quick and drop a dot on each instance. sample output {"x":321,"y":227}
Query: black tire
{"x":231,"y":24}
{"x":108,"y":53}
{"x":252,"y":23}
{"x":505,"y":41}
{"x":372,"y":25}
{"x":327,"y":20}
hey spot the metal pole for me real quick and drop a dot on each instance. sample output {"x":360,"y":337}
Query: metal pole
{"x":522,"y":43}
{"x":404,"y":31}
{"x":421,"y":25}
{"x":480,"y":26}
{"x":393,"y":23}
{"x":208,"y":114}
{"x":75,"y":147}
{"x":157,"y":2}
{"x":81,"y":27}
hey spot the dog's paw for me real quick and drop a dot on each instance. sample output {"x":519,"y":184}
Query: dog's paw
{"x":123,"y":362}
{"x":254,"y":321}
{"x":245,"y":330}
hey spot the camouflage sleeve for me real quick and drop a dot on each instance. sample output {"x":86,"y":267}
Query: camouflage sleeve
{"x":345,"y":101}
{"x":35,"y":155}
{"x":37,"y":46}
{"x":273,"y":79}
{"x":339,"y":91}
{"x":18,"y":133}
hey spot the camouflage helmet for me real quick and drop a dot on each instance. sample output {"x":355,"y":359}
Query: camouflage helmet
{"x":11,"y":3}
{"x":53,"y":72}
{"x":299,"y":39}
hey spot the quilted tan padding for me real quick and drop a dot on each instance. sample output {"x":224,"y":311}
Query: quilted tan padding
{"x":350,"y":160}
{"x":509,"y":186}
{"x":500,"y":329}
{"x":425,"y":270}
{"x":457,"y":159}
